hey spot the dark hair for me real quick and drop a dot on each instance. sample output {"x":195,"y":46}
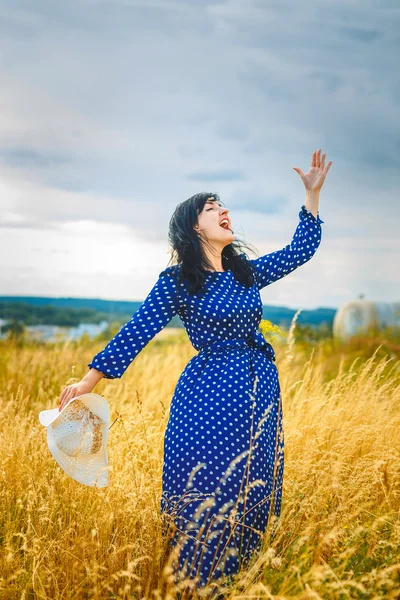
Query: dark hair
{"x":187,"y":249}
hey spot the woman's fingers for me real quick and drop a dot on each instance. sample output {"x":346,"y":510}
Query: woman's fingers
{"x":70,"y":391}
{"x":316,"y":159}
{"x":314,"y":179}
{"x":63,"y":394}
{"x":66,"y":396}
{"x":71,"y":394}
{"x":299,"y":171}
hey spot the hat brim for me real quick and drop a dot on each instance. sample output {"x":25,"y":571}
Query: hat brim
{"x":98,"y":404}
{"x":90,"y":469}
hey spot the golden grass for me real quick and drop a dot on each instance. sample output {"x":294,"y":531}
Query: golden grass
{"x":338,"y":535}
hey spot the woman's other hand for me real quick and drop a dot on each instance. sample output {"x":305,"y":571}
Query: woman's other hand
{"x":75,"y":389}
{"x":314,"y":179}
{"x":85,"y":386}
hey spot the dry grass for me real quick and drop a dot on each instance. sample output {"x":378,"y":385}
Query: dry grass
{"x":338,"y":535}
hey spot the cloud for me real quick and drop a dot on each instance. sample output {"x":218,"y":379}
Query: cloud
{"x":115,"y":111}
{"x":217,"y":175}
{"x":27,"y":158}
{"x":363,"y":35}
{"x":259,"y":202}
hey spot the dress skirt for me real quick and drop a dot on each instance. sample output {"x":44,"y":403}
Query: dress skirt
{"x":223,"y":459}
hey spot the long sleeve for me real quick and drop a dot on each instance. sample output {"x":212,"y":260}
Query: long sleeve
{"x":161,"y":304}
{"x":306,"y":239}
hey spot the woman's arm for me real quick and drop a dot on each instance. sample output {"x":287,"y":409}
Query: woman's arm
{"x":312,"y":201}
{"x":306,"y":239}
{"x":161,"y":304}
{"x":92,"y":377}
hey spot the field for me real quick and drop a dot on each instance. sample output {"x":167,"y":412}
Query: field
{"x":338,"y":535}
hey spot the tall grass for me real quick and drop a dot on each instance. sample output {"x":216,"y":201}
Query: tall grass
{"x":338,"y":535}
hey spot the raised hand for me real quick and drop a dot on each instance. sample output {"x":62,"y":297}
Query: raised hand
{"x":314,"y":179}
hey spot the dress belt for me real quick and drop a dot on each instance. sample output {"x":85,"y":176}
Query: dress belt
{"x":254,"y":340}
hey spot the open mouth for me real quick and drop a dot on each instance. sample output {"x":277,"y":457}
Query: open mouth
{"x":224,"y":225}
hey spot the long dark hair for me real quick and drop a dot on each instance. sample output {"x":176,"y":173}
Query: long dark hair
{"x":187,"y":248}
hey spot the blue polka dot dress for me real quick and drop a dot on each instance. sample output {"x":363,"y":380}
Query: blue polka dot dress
{"x":224,"y":443}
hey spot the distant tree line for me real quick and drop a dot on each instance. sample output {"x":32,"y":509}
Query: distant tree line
{"x":50,"y":315}
{"x":27,"y":314}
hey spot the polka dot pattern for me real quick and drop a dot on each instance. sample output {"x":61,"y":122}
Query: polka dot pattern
{"x":224,"y":441}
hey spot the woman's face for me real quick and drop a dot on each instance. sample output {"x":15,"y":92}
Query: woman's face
{"x":214,"y":224}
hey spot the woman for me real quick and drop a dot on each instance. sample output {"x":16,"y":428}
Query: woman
{"x":223,"y":446}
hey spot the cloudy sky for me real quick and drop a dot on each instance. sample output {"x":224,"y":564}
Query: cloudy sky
{"x":114,"y":111}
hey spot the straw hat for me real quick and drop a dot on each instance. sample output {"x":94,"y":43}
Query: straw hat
{"x":77,"y":437}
